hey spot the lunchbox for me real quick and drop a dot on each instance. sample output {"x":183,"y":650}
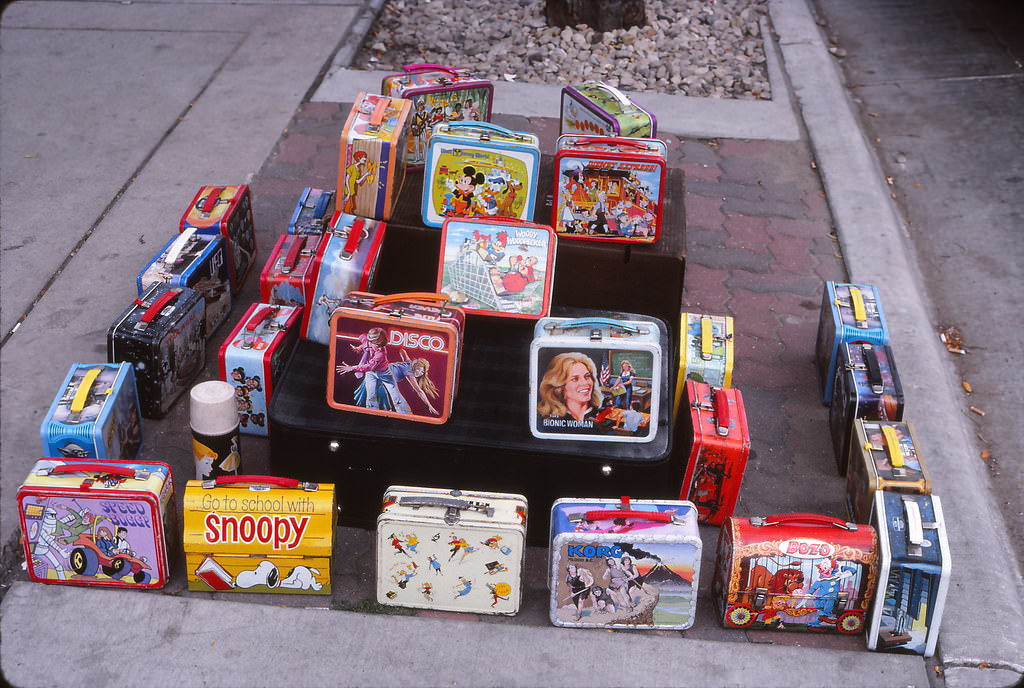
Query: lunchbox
{"x":706,"y":351}
{"x":451,"y":550}
{"x":291,"y":269}
{"x":478,"y":169}
{"x":226,"y":210}
{"x":438,"y":94}
{"x":596,"y":378}
{"x":257,"y":533}
{"x":795,"y":572}
{"x":609,"y":188}
{"x":884,"y":455}
{"x":500,"y":267}
{"x":625,"y":564}
{"x":371,"y":157}
{"x":595,"y":107}
{"x":849,"y":313}
{"x":95,"y":415}
{"x":313,"y":210}
{"x":396,"y":355}
{"x":252,"y":356}
{"x":107,"y":523}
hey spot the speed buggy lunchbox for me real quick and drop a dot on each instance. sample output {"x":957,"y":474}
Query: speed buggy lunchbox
{"x":706,"y":351}
{"x":624,"y":564}
{"x":395,"y":356}
{"x":595,"y":107}
{"x":478,"y":169}
{"x":849,"y":313}
{"x":884,"y":455}
{"x":451,"y":550}
{"x":109,"y":523}
{"x":312,"y":211}
{"x":438,"y":94}
{"x":608,"y":188}
{"x":255,"y":533}
{"x":796,"y":571}
{"x":253,"y":355}
{"x":226,"y":210}
{"x":596,"y":378}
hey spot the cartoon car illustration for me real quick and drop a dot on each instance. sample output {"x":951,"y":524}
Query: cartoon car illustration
{"x":87,"y":559}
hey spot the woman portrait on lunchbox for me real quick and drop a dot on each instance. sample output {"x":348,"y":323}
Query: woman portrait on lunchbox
{"x":569,"y":389}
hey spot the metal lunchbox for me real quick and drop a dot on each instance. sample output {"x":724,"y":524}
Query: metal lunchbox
{"x":371,"y":158}
{"x":438,"y":94}
{"x":798,"y":571}
{"x":719,"y":448}
{"x":608,"y":188}
{"x":253,"y":355}
{"x":624,"y":563}
{"x":257,"y":533}
{"x":198,"y":261}
{"x":849,"y":313}
{"x":162,"y":335}
{"x":595,"y":107}
{"x":914,"y":573}
{"x":346,"y":261}
{"x":292,"y":268}
{"x":595,"y":378}
{"x":312,"y":212}
{"x":110,"y":523}
{"x":706,"y":351}
{"x":867,"y":386}
{"x":478,"y":169}
{"x":226,"y":210}
{"x":95,"y":415}
{"x":884,"y":455}
{"x":501,"y":267}
{"x":452,"y":550}
{"x":396,"y":356}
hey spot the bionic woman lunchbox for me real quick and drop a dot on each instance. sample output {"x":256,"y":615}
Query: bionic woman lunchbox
{"x":596,"y":378}
{"x":452,"y":550}
{"x":706,"y":351}
{"x":95,"y":414}
{"x":226,"y":210}
{"x":257,"y":533}
{"x":795,"y":572}
{"x":395,"y":355}
{"x":884,"y":455}
{"x":849,"y":313}
{"x":108,"y":523}
{"x":595,"y":107}
{"x":478,"y":169}
{"x":312,"y":212}
{"x":624,"y":563}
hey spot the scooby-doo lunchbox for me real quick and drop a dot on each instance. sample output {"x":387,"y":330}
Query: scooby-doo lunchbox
{"x":257,"y":533}
{"x":226,"y":210}
{"x":595,"y":107}
{"x":107,"y":523}
{"x":395,"y":355}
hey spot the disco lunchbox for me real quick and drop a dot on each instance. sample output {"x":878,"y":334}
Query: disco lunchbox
{"x":849,"y":313}
{"x":227,"y":211}
{"x":594,"y":107}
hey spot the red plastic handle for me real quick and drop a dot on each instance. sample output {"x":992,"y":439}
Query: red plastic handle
{"x":258,"y":479}
{"x":291,"y":259}
{"x":659,"y":516}
{"x":617,"y":140}
{"x":93,"y":468}
{"x":805,"y":518}
{"x":355,"y":233}
{"x":722,"y":419}
{"x":157,"y":305}
{"x":211,"y":199}
{"x":261,"y":315}
{"x":429,"y":67}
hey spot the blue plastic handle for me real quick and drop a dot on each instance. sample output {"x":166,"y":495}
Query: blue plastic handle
{"x":473,"y":124}
{"x":607,"y":322}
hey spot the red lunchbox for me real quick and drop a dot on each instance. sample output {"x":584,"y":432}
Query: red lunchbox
{"x":291,"y":269}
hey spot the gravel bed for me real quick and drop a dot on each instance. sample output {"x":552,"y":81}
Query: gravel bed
{"x":703,"y":48}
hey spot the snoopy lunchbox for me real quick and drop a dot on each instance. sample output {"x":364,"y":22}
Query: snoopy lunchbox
{"x":257,"y":533}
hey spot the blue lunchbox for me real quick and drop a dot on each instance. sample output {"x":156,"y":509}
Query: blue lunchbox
{"x":849,"y":313}
{"x":311,"y":212}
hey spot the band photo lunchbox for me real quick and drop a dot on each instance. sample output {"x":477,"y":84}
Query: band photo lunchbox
{"x":396,"y":356}
{"x":258,"y":533}
{"x":162,"y":334}
{"x":914,"y":573}
{"x":608,"y":188}
{"x":345,"y":261}
{"x":226,"y":210}
{"x":313,"y":210}
{"x":253,"y":355}
{"x":198,"y":261}
{"x":595,"y":107}
{"x":451,"y":550}
{"x":500,"y":267}
{"x":884,"y":455}
{"x":624,"y":563}
{"x":719,"y":448}
{"x":478,"y":169}
{"x":438,"y":94}
{"x":291,"y":269}
{"x":866,"y":385}
{"x":795,"y":572}
{"x":849,"y":313}
{"x":371,"y":157}
{"x":706,"y":351}
{"x":95,"y":415}
{"x":107,"y":524}
{"x":596,"y":378}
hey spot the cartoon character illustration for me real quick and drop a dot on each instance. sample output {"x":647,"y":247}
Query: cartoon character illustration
{"x":404,"y":574}
{"x":581,"y":584}
{"x":463,"y":190}
{"x":494,"y":542}
{"x":624,"y":380}
{"x":499,"y":591}
{"x":463,"y":588}
{"x":415,"y":372}
{"x":427,"y":590}
{"x":519,"y":275}
{"x":435,"y":564}
{"x":379,"y":389}
{"x":265,"y":573}
{"x":302,"y":578}
{"x":396,"y":544}
{"x":359,"y":174}
{"x":826,"y":589}
{"x":46,"y":549}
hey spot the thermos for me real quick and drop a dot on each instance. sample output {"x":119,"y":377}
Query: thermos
{"x":215,"y":430}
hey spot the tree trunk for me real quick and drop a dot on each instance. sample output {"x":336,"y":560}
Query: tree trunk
{"x":600,"y":15}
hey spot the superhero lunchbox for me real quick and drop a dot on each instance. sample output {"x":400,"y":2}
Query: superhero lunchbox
{"x":595,"y":107}
{"x":292,"y":267}
{"x":226,"y":210}
{"x":108,"y":523}
{"x":884,"y":455}
{"x":706,"y":351}
{"x":257,"y":533}
{"x":502,"y":267}
{"x":395,"y":356}
{"x":312,"y":212}
{"x":849,"y":313}
{"x":95,"y":414}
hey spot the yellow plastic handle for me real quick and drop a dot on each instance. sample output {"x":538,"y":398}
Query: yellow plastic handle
{"x":78,"y":403}
{"x":707,"y":337}
{"x":892,"y":446}
{"x":412,"y":296}
{"x":857,"y":299}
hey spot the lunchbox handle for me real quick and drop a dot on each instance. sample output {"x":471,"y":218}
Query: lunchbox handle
{"x":611,"y":514}
{"x":707,"y":337}
{"x":487,"y":126}
{"x":222,"y":480}
{"x":377,"y":116}
{"x":857,"y":303}
{"x":292,"y":257}
{"x":616,"y":93}
{"x":84,"y":387}
{"x":595,"y":321}
{"x":260,"y":316}
{"x":158,"y":305}
{"x":874,"y":369}
{"x":429,"y":67}
{"x":210,"y":202}
{"x":722,"y":417}
{"x":892,"y":446}
{"x":804,"y":518}
{"x":178,"y":245}
{"x":411,"y":296}
{"x":123,"y":471}
{"x":915,"y":525}
{"x":617,"y":140}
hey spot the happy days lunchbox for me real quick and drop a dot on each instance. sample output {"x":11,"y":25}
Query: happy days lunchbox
{"x":312,"y":211}
{"x":226,"y":210}
{"x":884,"y":455}
{"x":624,"y":563}
{"x":849,"y":313}
{"x":706,"y":351}
{"x":595,"y":107}
{"x":106,"y":523}
{"x":257,"y":533}
{"x":478,"y":169}
{"x":95,"y":414}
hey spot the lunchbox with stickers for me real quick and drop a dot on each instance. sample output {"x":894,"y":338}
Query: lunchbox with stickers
{"x":595,"y":107}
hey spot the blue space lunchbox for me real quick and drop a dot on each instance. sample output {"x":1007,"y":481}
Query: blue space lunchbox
{"x":849,"y":313}
{"x":312,"y":212}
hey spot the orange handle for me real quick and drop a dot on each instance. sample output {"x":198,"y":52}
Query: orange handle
{"x":412,"y":296}
{"x":377,"y":117}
